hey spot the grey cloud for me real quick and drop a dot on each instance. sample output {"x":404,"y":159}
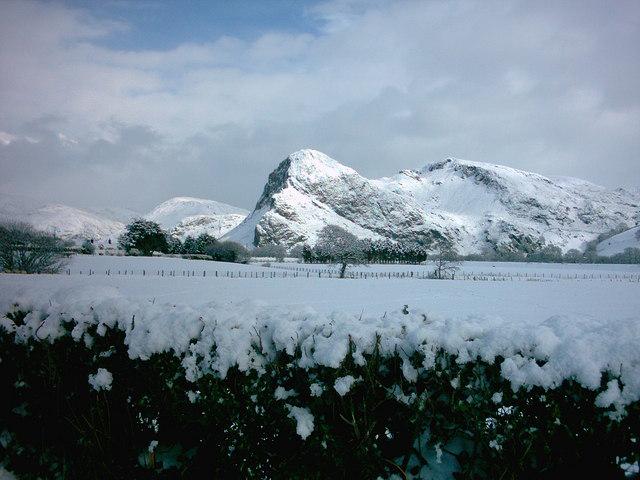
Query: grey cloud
{"x":545,"y":86}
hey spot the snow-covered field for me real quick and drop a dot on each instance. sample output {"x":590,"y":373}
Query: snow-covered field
{"x":527,"y":292}
{"x":580,"y":323}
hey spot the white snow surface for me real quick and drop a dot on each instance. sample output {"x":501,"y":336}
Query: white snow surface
{"x":188,"y":216}
{"x":182,"y":216}
{"x":101,"y":380}
{"x":62,"y":220}
{"x":342,"y":385}
{"x":542,"y":338}
{"x":618,"y":243}
{"x":6,"y":474}
{"x":214,"y":225}
{"x":524,"y":298}
{"x":304,"y":420}
{"x":473,"y":204}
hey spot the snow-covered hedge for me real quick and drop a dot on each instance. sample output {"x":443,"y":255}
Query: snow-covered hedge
{"x":117,"y":388}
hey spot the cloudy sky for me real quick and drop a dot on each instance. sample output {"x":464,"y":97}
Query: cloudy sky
{"x":127,"y":103}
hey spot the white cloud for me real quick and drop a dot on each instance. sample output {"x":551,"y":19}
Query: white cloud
{"x":6,"y":138}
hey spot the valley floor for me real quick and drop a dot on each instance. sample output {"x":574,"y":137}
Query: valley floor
{"x":525,"y":292}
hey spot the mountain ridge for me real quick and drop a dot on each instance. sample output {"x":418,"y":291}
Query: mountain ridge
{"x":182,"y":216}
{"x":472,"y":205}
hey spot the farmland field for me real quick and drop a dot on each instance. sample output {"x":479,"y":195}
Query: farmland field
{"x":526,"y":292}
{"x":563,"y":335}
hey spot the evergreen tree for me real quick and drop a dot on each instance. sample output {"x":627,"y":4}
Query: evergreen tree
{"x":88,"y":248}
{"x":145,"y":236}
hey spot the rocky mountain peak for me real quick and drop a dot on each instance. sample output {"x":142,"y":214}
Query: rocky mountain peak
{"x":473,"y":205}
{"x":301,"y":169}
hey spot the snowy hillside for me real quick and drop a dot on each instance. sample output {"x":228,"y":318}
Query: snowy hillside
{"x":214,"y":225}
{"x":474,"y":205}
{"x":309,"y":190}
{"x":618,"y":243}
{"x":184,"y":216}
{"x":65,"y":221}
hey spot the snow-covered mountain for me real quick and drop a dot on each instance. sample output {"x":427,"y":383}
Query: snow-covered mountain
{"x":122,"y":215}
{"x":63,"y":220}
{"x":181,"y":216}
{"x":473,"y":205}
{"x":188,"y":216}
{"x":618,"y":243}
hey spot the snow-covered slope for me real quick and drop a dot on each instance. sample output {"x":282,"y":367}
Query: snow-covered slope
{"x":618,"y":243}
{"x":474,"y":205}
{"x":67,"y":222}
{"x":479,"y":204}
{"x":187,"y":216}
{"x":309,"y":190}
{"x":214,"y":225}
{"x":181,"y":215}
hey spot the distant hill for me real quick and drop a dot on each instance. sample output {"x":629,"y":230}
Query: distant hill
{"x":618,"y":243}
{"x":63,"y":220}
{"x":181,"y":216}
{"x":188,"y":216}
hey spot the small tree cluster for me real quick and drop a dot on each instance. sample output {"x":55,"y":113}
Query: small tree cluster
{"x":199,"y":245}
{"x":271,"y":250}
{"x":386,"y":251}
{"x":297,"y":252}
{"x":206,"y":244}
{"x":334,"y":244}
{"x":146,"y":237}
{"x":24,"y":249}
{"x":88,"y":247}
{"x":228,"y":252}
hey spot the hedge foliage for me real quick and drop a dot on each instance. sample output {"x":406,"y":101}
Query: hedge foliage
{"x":53,"y":424}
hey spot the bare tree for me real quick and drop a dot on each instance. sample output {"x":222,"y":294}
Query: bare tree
{"x":338,"y":245}
{"x":23,"y":249}
{"x":446,"y":263}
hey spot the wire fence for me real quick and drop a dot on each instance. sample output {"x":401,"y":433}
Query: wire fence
{"x":303,"y":272}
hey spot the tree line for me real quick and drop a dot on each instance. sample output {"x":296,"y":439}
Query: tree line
{"x":24,"y":249}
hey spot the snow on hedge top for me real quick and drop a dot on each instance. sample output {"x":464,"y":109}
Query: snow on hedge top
{"x":101,"y":380}
{"x":248,"y":335}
